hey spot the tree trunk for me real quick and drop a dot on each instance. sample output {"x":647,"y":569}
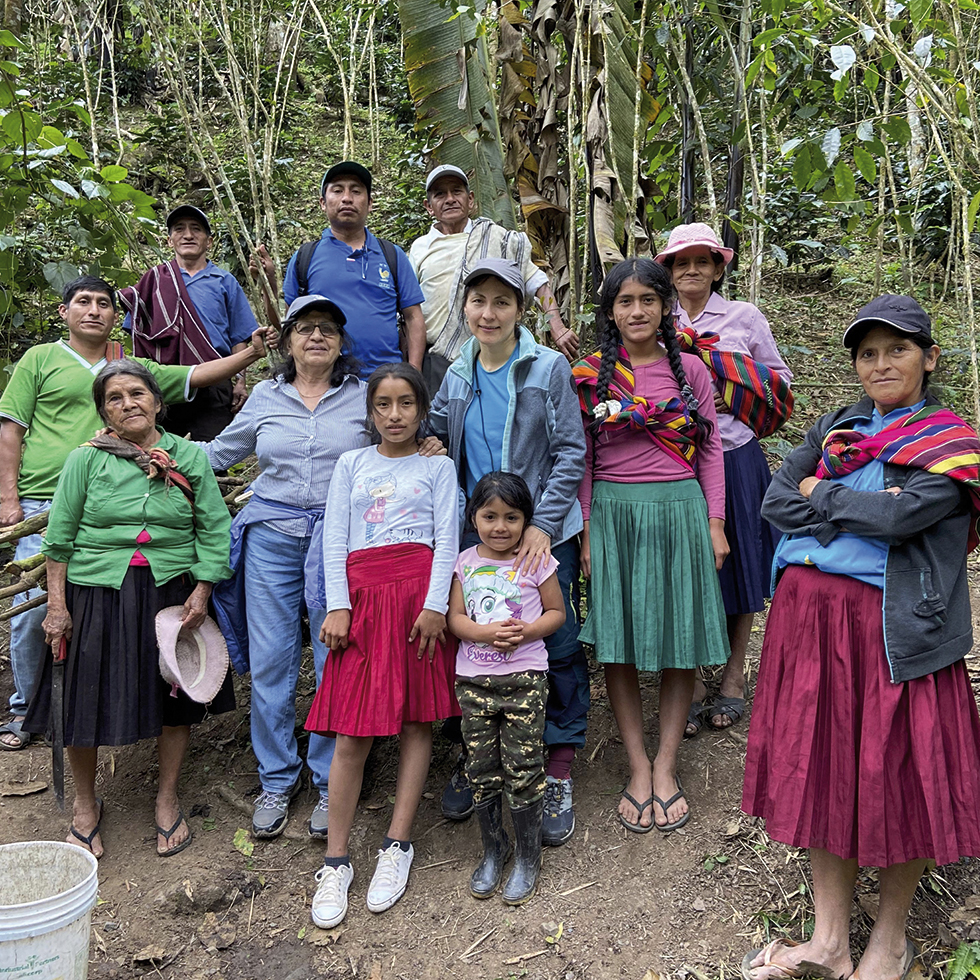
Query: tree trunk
{"x":13,"y":16}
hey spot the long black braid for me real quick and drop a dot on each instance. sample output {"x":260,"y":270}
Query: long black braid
{"x":648,"y":273}
{"x":669,"y":337}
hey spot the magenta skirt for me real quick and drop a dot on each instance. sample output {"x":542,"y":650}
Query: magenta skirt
{"x":840,"y":758}
{"x":378,"y":682}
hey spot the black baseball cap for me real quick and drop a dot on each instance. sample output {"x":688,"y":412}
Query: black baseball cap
{"x":188,"y":211}
{"x":315,"y":301}
{"x":346,"y":168}
{"x":902,"y":313}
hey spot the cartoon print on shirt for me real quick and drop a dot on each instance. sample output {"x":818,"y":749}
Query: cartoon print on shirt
{"x":490,"y":595}
{"x":380,"y":490}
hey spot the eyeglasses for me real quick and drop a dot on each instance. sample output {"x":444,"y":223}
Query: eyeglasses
{"x":327,"y":329}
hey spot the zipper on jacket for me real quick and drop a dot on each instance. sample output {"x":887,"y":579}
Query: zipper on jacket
{"x":884,"y":631}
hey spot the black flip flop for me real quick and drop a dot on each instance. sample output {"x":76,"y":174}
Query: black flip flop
{"x":167,"y":834}
{"x":87,"y":841}
{"x":637,"y":827}
{"x":666,"y":806}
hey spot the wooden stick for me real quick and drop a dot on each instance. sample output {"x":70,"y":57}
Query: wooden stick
{"x":577,"y":888}
{"x":438,"y":864}
{"x":527,"y":956}
{"x":472,"y":948}
{"x":23,"y":565}
{"x":26,"y":582}
{"x":23,"y":607}
{"x":31,"y":526}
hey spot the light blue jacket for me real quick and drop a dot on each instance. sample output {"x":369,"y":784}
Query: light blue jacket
{"x":544,"y":441}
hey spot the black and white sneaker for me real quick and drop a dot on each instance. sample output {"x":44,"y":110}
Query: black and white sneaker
{"x":559,"y":816}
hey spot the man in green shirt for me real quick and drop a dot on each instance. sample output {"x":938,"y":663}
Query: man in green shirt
{"x":45,"y":412}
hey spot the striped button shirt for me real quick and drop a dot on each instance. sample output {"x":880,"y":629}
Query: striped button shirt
{"x":297,"y":448}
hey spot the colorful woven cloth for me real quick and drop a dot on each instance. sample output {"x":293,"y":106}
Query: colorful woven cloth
{"x":668,"y":422}
{"x":933,"y":439}
{"x":155,"y":463}
{"x":754,"y":393}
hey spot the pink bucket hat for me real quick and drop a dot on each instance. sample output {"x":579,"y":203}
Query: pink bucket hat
{"x":196,"y":660}
{"x":688,"y":236}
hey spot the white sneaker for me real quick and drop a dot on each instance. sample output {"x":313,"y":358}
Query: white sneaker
{"x":390,"y":877}
{"x":330,"y":900}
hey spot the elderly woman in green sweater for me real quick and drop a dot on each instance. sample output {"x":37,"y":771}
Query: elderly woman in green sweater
{"x":137,"y":524}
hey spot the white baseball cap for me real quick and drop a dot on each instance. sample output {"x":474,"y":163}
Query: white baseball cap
{"x":445,"y":170}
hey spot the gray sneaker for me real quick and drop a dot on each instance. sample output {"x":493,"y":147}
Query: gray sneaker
{"x":271,"y":812}
{"x":318,"y":819}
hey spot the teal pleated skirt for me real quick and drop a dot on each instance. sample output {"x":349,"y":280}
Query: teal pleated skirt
{"x":654,"y":598}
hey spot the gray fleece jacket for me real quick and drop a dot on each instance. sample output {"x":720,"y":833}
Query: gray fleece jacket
{"x":926,"y":601}
{"x":543,"y":437}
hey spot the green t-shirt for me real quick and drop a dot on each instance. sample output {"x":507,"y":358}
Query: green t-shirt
{"x":50,"y":395}
{"x":104,"y":502}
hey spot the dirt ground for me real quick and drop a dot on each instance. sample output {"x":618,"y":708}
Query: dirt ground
{"x":611,"y":904}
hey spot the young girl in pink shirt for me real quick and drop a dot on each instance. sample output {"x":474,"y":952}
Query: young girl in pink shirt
{"x":502,"y":611}
{"x":654,"y":504}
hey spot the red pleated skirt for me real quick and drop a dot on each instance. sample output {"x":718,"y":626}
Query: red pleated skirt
{"x":378,"y":682}
{"x":840,"y":758}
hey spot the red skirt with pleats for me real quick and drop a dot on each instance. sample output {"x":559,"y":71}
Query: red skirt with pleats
{"x":840,"y":758}
{"x":378,"y":682}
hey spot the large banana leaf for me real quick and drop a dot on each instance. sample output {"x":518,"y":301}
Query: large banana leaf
{"x":449,"y":80}
{"x":621,"y":112}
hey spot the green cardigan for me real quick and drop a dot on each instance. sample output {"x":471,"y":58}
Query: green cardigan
{"x":102,"y":503}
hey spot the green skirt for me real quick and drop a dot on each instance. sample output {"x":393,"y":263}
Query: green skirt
{"x":654,"y":598}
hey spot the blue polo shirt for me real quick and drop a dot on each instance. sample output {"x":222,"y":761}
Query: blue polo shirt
{"x":221,"y":304}
{"x":362,"y":284}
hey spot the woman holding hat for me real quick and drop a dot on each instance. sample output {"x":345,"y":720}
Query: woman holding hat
{"x":137,"y":524}
{"x":864,"y":739}
{"x":508,"y":403}
{"x":697,"y":260}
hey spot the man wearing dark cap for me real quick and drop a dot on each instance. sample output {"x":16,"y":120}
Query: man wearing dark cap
{"x":444,"y":255}
{"x":188,"y":311}
{"x":370,"y":277}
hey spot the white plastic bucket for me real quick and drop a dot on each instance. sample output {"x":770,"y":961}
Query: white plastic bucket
{"x":44,"y":932}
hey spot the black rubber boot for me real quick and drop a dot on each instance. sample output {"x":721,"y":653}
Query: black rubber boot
{"x":523,"y":878}
{"x":496,"y":849}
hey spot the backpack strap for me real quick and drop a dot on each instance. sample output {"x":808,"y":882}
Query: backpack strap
{"x":303,"y":258}
{"x":391,"y":257}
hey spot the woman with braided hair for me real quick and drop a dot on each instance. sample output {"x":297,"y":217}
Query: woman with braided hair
{"x":653,"y":499}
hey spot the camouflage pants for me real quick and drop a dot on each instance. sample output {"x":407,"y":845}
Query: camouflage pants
{"x":503,"y":727}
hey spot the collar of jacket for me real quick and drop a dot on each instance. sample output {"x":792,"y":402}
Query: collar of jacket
{"x":465,"y":364}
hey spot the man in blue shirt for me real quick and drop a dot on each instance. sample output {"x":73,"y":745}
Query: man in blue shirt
{"x":349,"y":263}
{"x":221,"y":308}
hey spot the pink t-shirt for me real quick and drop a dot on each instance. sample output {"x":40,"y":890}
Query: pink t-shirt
{"x":740,"y":327}
{"x":492,"y":593}
{"x":623,"y":455}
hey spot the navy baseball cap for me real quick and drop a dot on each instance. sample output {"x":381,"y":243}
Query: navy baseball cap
{"x":902,"y":313}
{"x":188,"y":211}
